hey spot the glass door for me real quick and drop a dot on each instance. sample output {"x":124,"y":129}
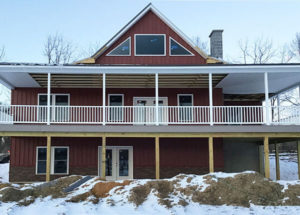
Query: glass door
{"x":119,"y":162}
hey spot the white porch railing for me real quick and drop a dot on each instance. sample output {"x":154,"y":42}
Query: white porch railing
{"x":146,"y":115}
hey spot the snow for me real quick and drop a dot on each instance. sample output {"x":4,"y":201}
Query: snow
{"x":288,"y":166}
{"x":117,"y":202}
{"x":4,"y":169}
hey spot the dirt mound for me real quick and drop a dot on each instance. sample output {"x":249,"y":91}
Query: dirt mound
{"x":53,"y":188}
{"x":102,"y":189}
{"x":239,"y":190}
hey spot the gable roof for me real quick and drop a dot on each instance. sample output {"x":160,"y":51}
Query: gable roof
{"x":148,"y":8}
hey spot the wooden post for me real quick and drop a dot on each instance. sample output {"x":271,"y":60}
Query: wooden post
{"x":267,"y":161}
{"x":103,"y":156}
{"x":298,"y":147}
{"x":157,"y":157}
{"x":277,"y":161}
{"x":48,"y":162}
{"x":211,"y":154}
{"x":261,"y":159}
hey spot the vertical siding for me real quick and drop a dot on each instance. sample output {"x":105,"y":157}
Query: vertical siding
{"x":151,"y":24}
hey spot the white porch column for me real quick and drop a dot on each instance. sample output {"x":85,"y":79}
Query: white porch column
{"x":103,"y":98}
{"x":156,"y":99}
{"x":210,"y":98}
{"x":48,"y":97}
{"x":267,"y":102}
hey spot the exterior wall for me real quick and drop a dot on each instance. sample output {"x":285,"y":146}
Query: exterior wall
{"x":29,"y":96}
{"x":241,"y":154}
{"x":151,"y":24}
{"x":176,"y":156}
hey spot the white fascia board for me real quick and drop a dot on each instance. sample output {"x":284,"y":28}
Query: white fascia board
{"x":150,"y":69}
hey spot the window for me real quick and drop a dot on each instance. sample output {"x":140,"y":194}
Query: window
{"x":185,"y":101}
{"x":61,"y":113}
{"x":122,"y":50}
{"x":116,"y":102}
{"x":59,"y":160}
{"x":176,"y":49}
{"x":150,"y":44}
{"x":41,"y":160}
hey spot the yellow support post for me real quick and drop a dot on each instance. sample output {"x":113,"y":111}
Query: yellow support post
{"x":48,"y":162}
{"x":103,"y":156}
{"x":267,"y":161}
{"x":157,"y":157}
{"x":211,"y":154}
{"x":277,"y":161}
{"x":298,"y":147}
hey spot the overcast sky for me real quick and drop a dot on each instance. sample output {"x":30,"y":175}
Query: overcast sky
{"x":25,"y":24}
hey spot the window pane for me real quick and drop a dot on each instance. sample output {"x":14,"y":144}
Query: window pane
{"x":60,"y":166}
{"x":62,"y":100}
{"x":61,"y":154}
{"x":185,"y":101}
{"x":42,"y":153}
{"x":123,"y":162}
{"x":122,"y":49}
{"x":177,"y":49}
{"x":108,"y":163}
{"x":115,"y":100}
{"x":43,"y":100}
{"x":150,"y":45}
{"x":41,"y":168}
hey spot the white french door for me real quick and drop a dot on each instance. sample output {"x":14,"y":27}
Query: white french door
{"x":119,"y":162}
{"x":145,"y":111}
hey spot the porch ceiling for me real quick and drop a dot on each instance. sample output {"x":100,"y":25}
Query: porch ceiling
{"x":126,"y":81}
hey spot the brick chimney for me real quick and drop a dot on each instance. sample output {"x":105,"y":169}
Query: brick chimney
{"x":216,"y":44}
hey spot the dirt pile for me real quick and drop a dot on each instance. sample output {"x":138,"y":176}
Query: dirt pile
{"x":102,"y":189}
{"x":53,"y":188}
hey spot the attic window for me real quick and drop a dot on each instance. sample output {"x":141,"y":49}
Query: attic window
{"x":176,"y":49}
{"x":121,"y":50}
{"x":150,"y":44}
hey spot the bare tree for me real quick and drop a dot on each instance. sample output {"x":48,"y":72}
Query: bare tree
{"x":295,"y":46}
{"x":259,"y":51}
{"x":203,"y":45}
{"x":2,"y":53}
{"x":58,"y":50}
{"x":92,"y":49}
{"x":285,"y":54}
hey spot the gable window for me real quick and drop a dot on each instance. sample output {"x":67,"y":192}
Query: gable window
{"x":176,"y":49}
{"x":116,"y":103}
{"x":150,"y":44}
{"x":59,"y":160}
{"x":123,"y":49}
{"x":185,"y":103}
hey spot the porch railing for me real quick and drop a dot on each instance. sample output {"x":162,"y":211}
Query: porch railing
{"x":146,"y":115}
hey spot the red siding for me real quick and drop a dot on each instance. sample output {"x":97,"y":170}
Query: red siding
{"x":93,"y":96}
{"x":151,"y":24}
{"x":83,"y":152}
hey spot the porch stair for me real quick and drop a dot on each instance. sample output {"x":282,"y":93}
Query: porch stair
{"x":77,"y":184}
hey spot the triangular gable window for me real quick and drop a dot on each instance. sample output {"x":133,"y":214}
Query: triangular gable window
{"x":176,"y":49}
{"x":121,"y":50}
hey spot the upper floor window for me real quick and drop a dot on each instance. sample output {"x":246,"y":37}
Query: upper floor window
{"x":123,"y":49}
{"x":150,"y":44}
{"x":176,"y":49}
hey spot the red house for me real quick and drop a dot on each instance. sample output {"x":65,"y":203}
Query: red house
{"x":148,"y":104}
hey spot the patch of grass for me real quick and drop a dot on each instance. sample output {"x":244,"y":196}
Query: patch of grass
{"x":80,"y":198}
{"x":139,"y":194}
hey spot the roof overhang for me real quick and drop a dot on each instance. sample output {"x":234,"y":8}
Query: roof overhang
{"x":240,"y":79}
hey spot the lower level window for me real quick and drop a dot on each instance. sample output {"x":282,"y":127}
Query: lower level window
{"x":59,"y":160}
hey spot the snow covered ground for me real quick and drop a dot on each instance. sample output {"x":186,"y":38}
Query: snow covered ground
{"x":4,"y":169}
{"x":288,"y":166}
{"x":150,"y":206}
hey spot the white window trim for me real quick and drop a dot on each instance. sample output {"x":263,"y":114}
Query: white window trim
{"x":178,"y":104}
{"x":147,"y":54}
{"x":53,"y":95}
{"x":190,"y":55}
{"x":178,"y":95}
{"x":109,"y":95}
{"x":109,"y":54}
{"x":52,"y":160}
